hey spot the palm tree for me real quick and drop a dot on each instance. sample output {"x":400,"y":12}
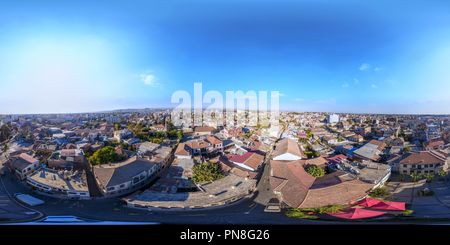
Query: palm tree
{"x":401,"y":177}
{"x":429,"y":177}
{"x":441,"y":173}
{"x":415,"y":175}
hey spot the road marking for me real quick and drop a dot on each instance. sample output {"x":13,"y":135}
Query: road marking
{"x":251,"y":205}
{"x":116,"y":209}
{"x":194,"y":215}
{"x":134,"y":213}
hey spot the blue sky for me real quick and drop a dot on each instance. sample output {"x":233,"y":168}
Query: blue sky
{"x":330,"y":56}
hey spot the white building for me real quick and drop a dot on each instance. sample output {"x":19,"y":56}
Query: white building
{"x":333,"y":118}
{"x":25,"y":165}
{"x":120,"y":135}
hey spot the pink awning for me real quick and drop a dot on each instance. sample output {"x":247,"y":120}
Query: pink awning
{"x":389,"y":205}
{"x":356,"y":213}
{"x":368,"y":202}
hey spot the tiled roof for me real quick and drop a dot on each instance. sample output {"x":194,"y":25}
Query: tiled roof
{"x":423,"y":157}
{"x":121,"y":172}
{"x":301,"y":190}
{"x":381,"y":145}
{"x":181,"y":150}
{"x":288,"y":145}
{"x":249,"y":159}
{"x":214,"y":140}
{"x":433,"y":143}
{"x":204,"y":129}
{"x":318,"y":161}
{"x":227,"y":166}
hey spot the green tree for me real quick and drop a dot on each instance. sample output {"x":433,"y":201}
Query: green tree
{"x":407,"y":149}
{"x":180,"y":134}
{"x":315,"y":171}
{"x":303,"y":140}
{"x":103,"y":156}
{"x":5,"y":147}
{"x":415,"y":176}
{"x":5,"y":132}
{"x":116,"y":126}
{"x":137,"y":128}
{"x":309,"y":133}
{"x":316,"y":153}
{"x":441,"y":174}
{"x":379,"y":192}
{"x":206,"y":172}
{"x":401,"y":177}
{"x":429,"y":177}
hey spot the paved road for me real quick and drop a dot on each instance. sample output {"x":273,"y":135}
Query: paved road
{"x":248,"y":211}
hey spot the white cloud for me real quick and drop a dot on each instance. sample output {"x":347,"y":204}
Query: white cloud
{"x":390,"y":81}
{"x":345,"y":85}
{"x":373,"y":86}
{"x":356,"y":81}
{"x":364,"y":66}
{"x":274,"y":95}
{"x":300,"y":100}
{"x":150,"y":80}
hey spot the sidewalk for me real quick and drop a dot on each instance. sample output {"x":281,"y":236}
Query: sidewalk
{"x":427,"y":207}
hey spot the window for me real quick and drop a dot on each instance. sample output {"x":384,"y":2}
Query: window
{"x":413,"y":166}
{"x":122,"y":186}
{"x":404,"y":165}
{"x":426,"y":166}
{"x":110,"y":188}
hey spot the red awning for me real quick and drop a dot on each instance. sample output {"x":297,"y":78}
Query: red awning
{"x":389,"y":205}
{"x":368,"y":202}
{"x":356,"y":213}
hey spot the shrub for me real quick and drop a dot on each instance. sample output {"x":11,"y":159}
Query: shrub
{"x":331,"y":209}
{"x":297,"y":213}
{"x":406,"y":212}
{"x":379,"y":192}
{"x":206,"y":172}
{"x":315,"y":171}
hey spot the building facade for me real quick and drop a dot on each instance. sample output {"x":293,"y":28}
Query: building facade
{"x":423,"y":162}
{"x":232,"y":132}
{"x":333,"y":118}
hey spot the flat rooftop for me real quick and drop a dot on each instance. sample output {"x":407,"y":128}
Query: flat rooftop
{"x":367,"y":171}
{"x":56,"y":179}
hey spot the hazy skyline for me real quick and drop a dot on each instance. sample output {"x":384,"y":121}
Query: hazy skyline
{"x":383,"y":57}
